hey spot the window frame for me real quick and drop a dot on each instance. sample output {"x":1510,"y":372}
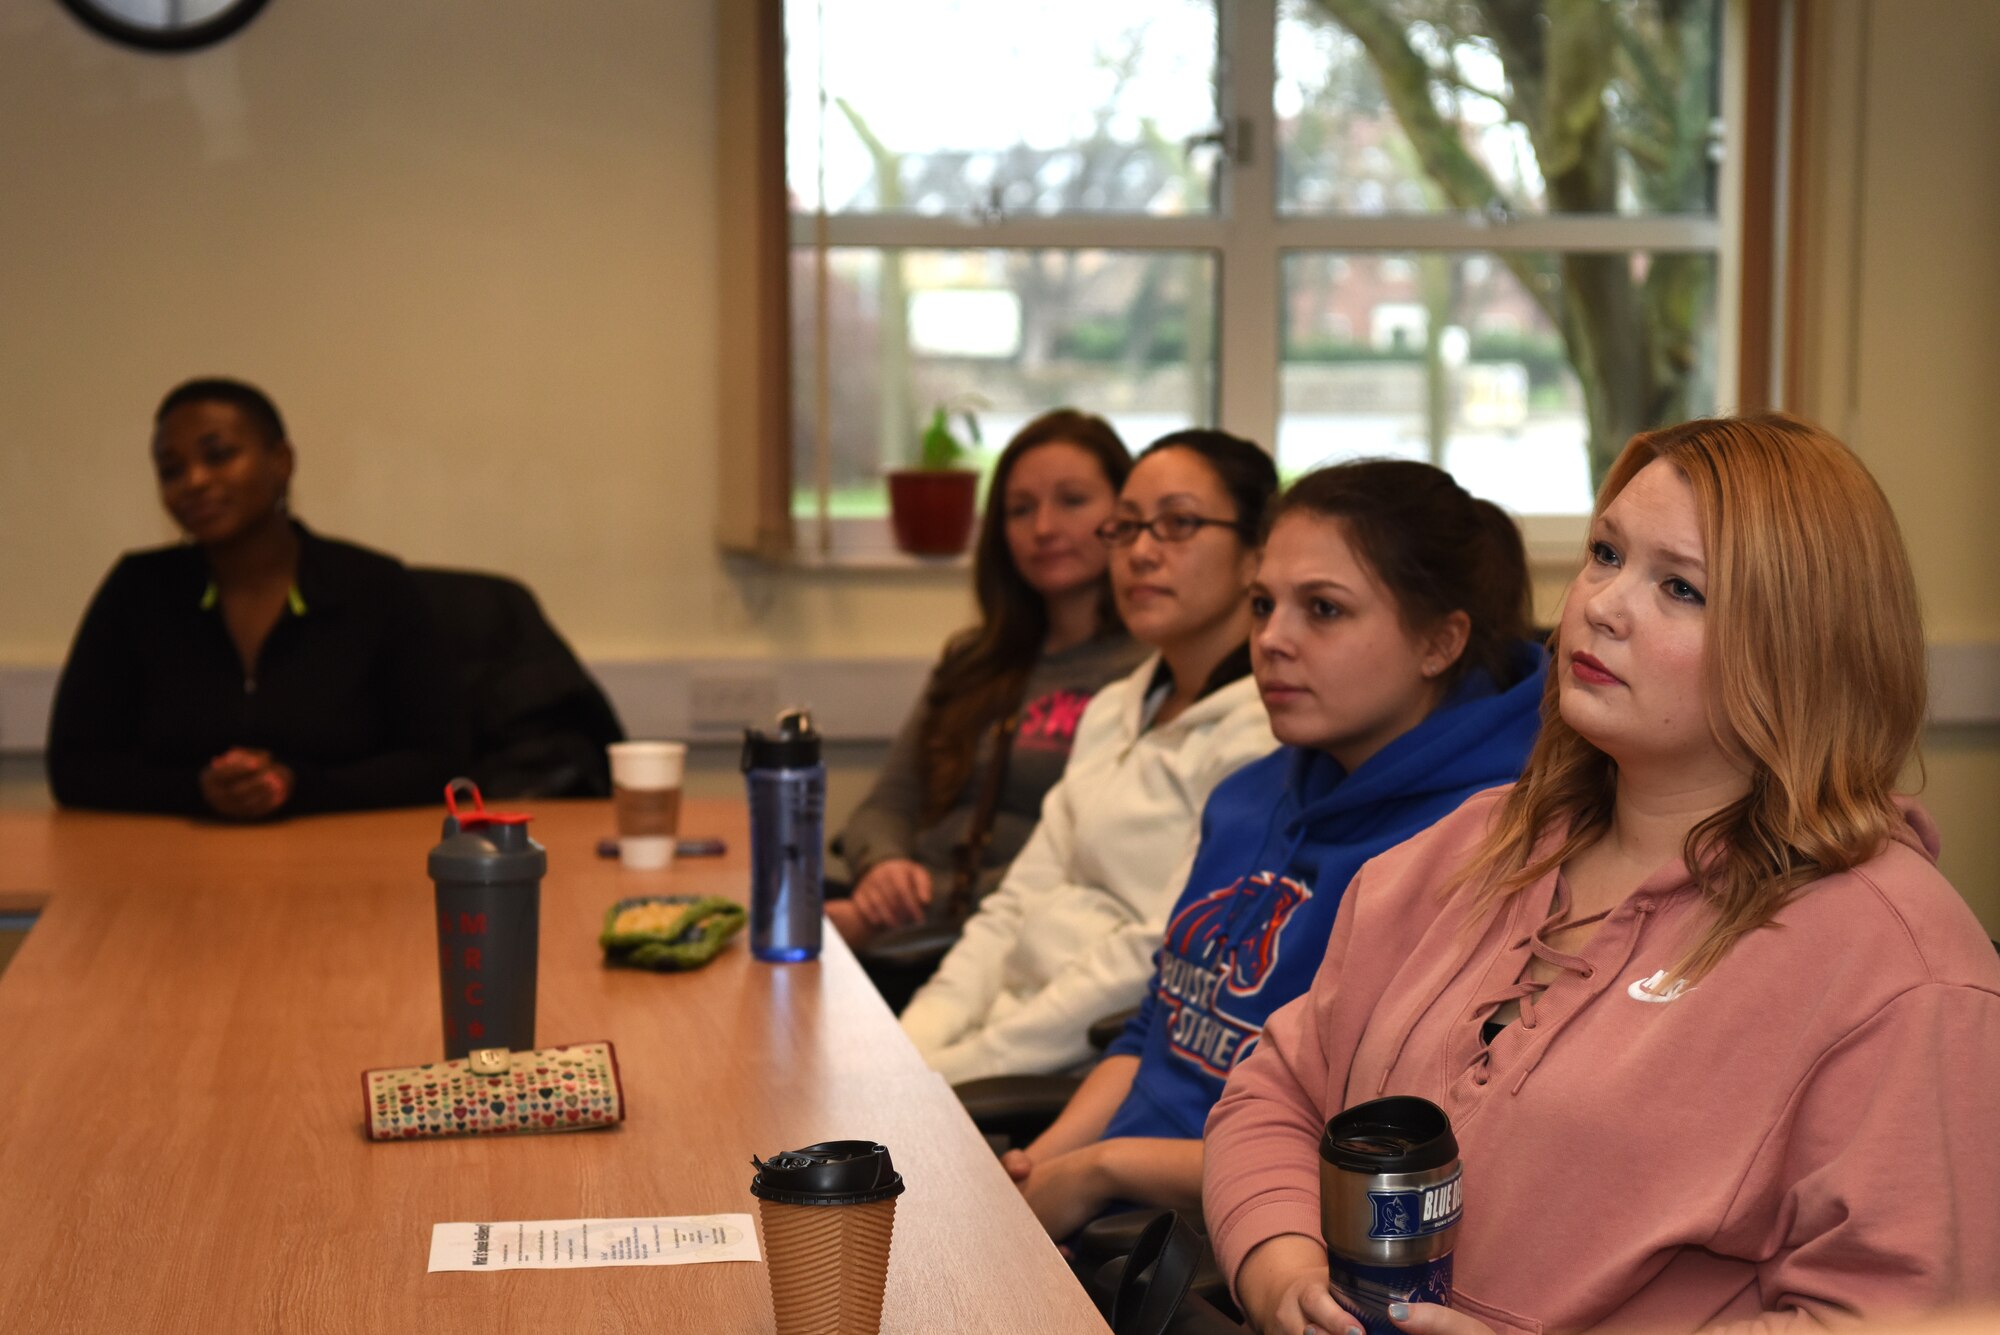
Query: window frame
{"x":1249,"y":246}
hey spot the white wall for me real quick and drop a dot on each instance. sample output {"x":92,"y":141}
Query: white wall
{"x":1899,"y":334}
{"x":467,"y":245}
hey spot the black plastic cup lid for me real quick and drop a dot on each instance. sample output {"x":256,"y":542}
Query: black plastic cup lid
{"x":833,"y":1172}
{"x":1401,"y":1134}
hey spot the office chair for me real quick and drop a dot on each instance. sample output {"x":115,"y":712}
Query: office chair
{"x":537,"y":723}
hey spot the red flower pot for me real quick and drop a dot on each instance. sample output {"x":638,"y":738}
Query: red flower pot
{"x":931,"y":510}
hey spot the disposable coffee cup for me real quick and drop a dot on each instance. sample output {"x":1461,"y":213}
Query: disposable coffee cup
{"x":646,"y":790}
{"x":1389,"y":1201}
{"x":827,"y":1213}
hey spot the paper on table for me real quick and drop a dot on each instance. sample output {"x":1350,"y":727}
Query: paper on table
{"x":571,"y":1244}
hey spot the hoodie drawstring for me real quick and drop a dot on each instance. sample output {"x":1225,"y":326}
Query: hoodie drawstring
{"x":1541,"y":1049}
{"x":1528,"y":991}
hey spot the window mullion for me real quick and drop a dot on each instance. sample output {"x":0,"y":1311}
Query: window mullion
{"x":1066,"y":232}
{"x":1247,"y":374}
{"x":1560,"y":232}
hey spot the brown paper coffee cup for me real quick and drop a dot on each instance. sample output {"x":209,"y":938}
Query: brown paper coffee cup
{"x":828,"y":1265}
{"x":828,"y":1211}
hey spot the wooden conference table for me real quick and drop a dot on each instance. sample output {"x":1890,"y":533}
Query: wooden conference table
{"x":182,"y":1033}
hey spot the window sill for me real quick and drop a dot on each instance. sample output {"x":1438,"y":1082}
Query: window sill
{"x":860,"y":563}
{"x":1554,"y":545}
{"x":856,"y":546}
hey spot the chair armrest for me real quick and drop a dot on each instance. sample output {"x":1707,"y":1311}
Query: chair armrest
{"x":1019,"y":1107}
{"x":1111,"y":1238}
{"x":1104,"y":1032}
{"x":1206,"y":1310}
{"x":910,"y":947}
{"x":1113,"y":1235}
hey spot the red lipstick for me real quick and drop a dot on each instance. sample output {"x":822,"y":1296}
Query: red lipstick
{"x":1591,"y":672}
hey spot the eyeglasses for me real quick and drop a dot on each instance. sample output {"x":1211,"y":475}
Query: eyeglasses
{"x":1172,"y":526}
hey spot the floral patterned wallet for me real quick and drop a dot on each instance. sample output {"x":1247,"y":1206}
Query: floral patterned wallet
{"x":493,"y":1092}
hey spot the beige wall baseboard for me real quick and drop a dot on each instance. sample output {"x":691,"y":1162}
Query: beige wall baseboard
{"x":865,"y":699}
{"x":700,"y":699}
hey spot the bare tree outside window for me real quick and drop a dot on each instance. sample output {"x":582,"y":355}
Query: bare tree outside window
{"x":1502,"y":108}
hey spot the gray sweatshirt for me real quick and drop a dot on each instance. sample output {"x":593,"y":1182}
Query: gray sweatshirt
{"x":885,"y":825}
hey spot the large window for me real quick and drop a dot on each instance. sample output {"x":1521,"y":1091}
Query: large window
{"x":1477,"y":233}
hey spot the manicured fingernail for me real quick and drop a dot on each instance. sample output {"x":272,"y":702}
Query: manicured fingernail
{"x":1399,"y":1311}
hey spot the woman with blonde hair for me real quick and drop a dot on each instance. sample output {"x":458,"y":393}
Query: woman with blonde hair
{"x":1719,"y":1042}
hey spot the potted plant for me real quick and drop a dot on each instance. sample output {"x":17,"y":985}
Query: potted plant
{"x":931,"y":505}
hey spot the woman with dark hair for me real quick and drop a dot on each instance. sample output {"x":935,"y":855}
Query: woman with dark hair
{"x":257,"y":669}
{"x":1719,"y":1044}
{"x":964,"y":781}
{"x":1389,"y":645}
{"x":1070,"y":933}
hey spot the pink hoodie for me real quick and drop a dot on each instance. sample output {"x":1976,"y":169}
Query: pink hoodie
{"x":1812,"y":1130}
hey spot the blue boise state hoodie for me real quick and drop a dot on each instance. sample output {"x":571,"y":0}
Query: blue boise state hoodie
{"x":1280,"y":840}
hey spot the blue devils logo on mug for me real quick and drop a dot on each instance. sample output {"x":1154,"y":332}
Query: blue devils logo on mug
{"x":1416,"y":1214}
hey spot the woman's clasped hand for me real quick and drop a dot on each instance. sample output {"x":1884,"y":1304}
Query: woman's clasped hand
{"x":244,"y":783}
{"x":256,"y":669}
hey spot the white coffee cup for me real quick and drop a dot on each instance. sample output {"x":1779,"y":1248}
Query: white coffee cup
{"x":646,"y":790}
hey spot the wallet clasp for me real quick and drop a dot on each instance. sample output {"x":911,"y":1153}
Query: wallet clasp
{"x":488,"y":1061}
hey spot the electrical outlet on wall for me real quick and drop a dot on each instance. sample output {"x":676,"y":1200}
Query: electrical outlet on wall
{"x":728,"y":702}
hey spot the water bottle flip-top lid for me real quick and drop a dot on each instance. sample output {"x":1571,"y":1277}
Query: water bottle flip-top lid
{"x":484,"y":846}
{"x":479,"y":816}
{"x":795,"y":745}
{"x":1400,"y":1134}
{"x":833,"y":1172}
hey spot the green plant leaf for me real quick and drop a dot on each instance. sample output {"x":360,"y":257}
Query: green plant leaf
{"x":939,"y":448}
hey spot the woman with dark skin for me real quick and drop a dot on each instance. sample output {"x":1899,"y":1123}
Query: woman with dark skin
{"x":258,"y":668}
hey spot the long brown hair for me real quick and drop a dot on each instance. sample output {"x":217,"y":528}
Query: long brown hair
{"x":980,"y":678}
{"x":1813,"y":669}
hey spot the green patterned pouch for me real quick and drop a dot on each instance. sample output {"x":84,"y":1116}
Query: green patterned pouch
{"x":669,"y":932}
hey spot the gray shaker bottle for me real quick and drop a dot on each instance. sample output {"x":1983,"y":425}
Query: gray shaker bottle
{"x":488,"y":874}
{"x":787,"y":788}
{"x":1389,"y":1203}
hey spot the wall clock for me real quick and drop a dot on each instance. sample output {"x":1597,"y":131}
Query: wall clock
{"x":164,"y":25}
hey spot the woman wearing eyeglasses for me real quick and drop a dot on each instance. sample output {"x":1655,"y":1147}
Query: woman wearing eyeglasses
{"x":1069,"y":935}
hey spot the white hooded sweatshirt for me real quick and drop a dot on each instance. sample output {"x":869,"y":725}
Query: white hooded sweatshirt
{"x":1069,"y":935}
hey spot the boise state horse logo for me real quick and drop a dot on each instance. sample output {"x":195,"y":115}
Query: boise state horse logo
{"x":1253,"y":952}
{"x":1220,"y":948}
{"x":1256,"y":955}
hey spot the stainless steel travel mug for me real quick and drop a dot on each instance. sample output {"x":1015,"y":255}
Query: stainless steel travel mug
{"x":1389,"y":1205}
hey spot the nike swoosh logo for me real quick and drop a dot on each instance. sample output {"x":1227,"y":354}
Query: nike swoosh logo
{"x":1656,"y":990}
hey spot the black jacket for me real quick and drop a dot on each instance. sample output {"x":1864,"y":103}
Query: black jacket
{"x":349,"y":689}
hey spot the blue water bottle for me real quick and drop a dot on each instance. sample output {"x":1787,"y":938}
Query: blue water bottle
{"x":787,"y":785}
